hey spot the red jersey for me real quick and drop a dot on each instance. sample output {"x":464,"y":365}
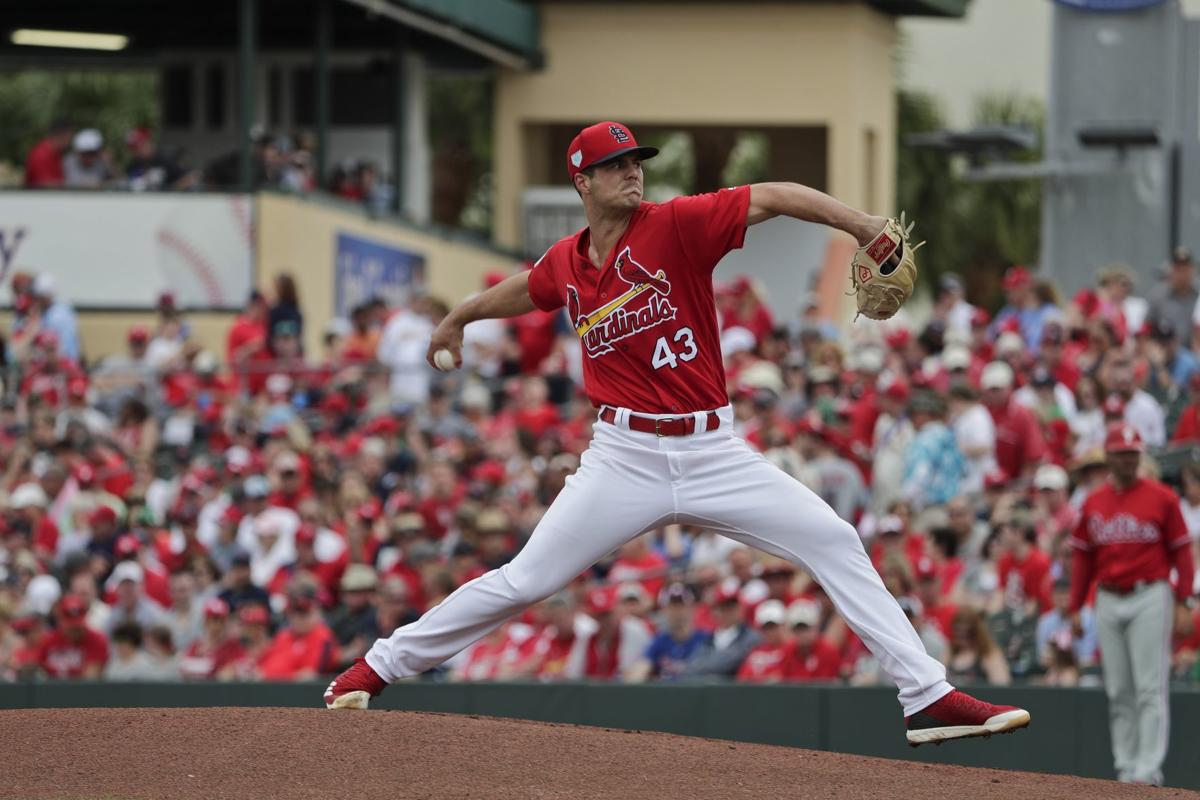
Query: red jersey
{"x":821,"y":662}
{"x":1019,"y":440}
{"x":535,"y":334}
{"x":647,"y":321}
{"x":650,"y":570}
{"x":763,"y":663}
{"x":290,"y":654}
{"x":1028,"y":579}
{"x":201,"y":662}
{"x":63,"y":658}
{"x":43,"y":166}
{"x":1130,"y":535}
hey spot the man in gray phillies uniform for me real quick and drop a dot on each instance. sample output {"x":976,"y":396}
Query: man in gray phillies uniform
{"x":1129,"y":537}
{"x":637,"y":283}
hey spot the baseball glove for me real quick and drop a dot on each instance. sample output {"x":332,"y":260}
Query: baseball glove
{"x":884,"y":272}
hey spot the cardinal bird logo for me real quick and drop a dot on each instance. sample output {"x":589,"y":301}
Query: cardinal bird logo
{"x":616,"y":320}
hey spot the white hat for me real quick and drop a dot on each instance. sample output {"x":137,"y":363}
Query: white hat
{"x":1009,"y":342}
{"x":279,"y":384}
{"x":41,"y":594}
{"x":287,"y":460}
{"x":27,"y":495}
{"x":736,"y":340}
{"x":997,"y":375}
{"x":205,"y":362}
{"x":769,"y":611}
{"x":804,"y":612}
{"x":43,"y":285}
{"x":127,"y":571}
{"x":956,"y":357}
{"x":88,"y":140}
{"x":1050,"y":476}
{"x":762,"y":375}
{"x":870,"y":359}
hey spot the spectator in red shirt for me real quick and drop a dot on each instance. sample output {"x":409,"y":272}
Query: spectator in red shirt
{"x":1023,"y":570}
{"x":247,"y":335}
{"x":73,"y":650}
{"x":216,"y":652}
{"x":28,"y":503}
{"x":637,"y":561}
{"x":44,"y":164}
{"x":764,"y":663}
{"x":934,"y":606}
{"x":810,"y":657}
{"x":306,"y":648}
{"x":1020,"y":446}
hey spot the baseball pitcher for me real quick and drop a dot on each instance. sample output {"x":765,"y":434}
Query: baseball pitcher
{"x":638,"y":286}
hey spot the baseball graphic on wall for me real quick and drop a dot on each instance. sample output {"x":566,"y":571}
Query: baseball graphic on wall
{"x":204,"y":252}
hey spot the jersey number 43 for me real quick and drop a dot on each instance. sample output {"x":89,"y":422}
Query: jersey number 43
{"x":664,"y":356}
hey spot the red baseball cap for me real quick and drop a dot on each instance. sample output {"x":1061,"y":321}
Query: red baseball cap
{"x":1017,"y":277}
{"x":139,"y":333}
{"x":216,"y":608}
{"x":601,"y":601}
{"x":126,"y":545}
{"x":306,"y":534}
{"x":1122,"y":438}
{"x":73,"y":607}
{"x":254,"y":615}
{"x":603,"y":142}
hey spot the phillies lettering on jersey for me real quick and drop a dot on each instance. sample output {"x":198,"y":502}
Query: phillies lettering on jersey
{"x":647,"y":320}
{"x":1123,"y":528}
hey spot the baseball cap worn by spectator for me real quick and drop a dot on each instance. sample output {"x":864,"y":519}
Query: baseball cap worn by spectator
{"x":359,"y":578}
{"x":803,"y":612}
{"x":216,"y":608}
{"x":676,"y":593}
{"x":996,"y":375}
{"x":1123,"y":438}
{"x":600,"y":143}
{"x":1050,"y":477}
{"x":769,"y":612}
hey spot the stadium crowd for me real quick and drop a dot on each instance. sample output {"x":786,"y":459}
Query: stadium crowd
{"x":70,"y":157}
{"x":266,"y":513}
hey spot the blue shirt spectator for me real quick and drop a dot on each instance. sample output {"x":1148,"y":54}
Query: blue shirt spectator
{"x":933,"y":465}
{"x":668,"y":656}
{"x":58,"y":317}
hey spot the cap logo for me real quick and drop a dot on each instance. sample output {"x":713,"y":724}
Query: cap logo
{"x":577,"y":158}
{"x":619,"y":133}
{"x":1128,"y":435}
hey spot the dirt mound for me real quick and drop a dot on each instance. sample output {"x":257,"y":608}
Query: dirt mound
{"x":266,"y":753}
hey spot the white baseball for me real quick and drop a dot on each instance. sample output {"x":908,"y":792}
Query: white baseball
{"x":444,"y":360}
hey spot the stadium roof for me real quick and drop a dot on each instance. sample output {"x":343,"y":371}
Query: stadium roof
{"x":899,"y":8}
{"x":455,"y":32}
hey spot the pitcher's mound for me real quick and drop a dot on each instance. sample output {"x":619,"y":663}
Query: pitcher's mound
{"x":289,"y":753}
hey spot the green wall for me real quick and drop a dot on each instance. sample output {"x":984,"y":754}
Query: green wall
{"x":1069,"y":733}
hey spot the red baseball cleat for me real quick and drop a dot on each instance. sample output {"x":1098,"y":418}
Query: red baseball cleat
{"x":960,"y":716}
{"x":355,"y":687}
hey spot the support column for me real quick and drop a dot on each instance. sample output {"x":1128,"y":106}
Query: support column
{"x":398,"y":130}
{"x":247,"y":38}
{"x":321,"y":89}
{"x":418,"y":158}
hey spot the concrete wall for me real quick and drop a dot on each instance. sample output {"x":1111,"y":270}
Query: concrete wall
{"x":299,"y":236}
{"x":753,"y":65}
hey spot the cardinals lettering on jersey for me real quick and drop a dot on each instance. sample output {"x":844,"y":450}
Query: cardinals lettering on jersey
{"x":625,"y":315}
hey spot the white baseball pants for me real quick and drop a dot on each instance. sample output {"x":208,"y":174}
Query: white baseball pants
{"x":1135,"y":653}
{"x":630,"y":482}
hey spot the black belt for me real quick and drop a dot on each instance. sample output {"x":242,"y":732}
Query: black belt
{"x":663,"y":426}
{"x":1128,"y":588}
